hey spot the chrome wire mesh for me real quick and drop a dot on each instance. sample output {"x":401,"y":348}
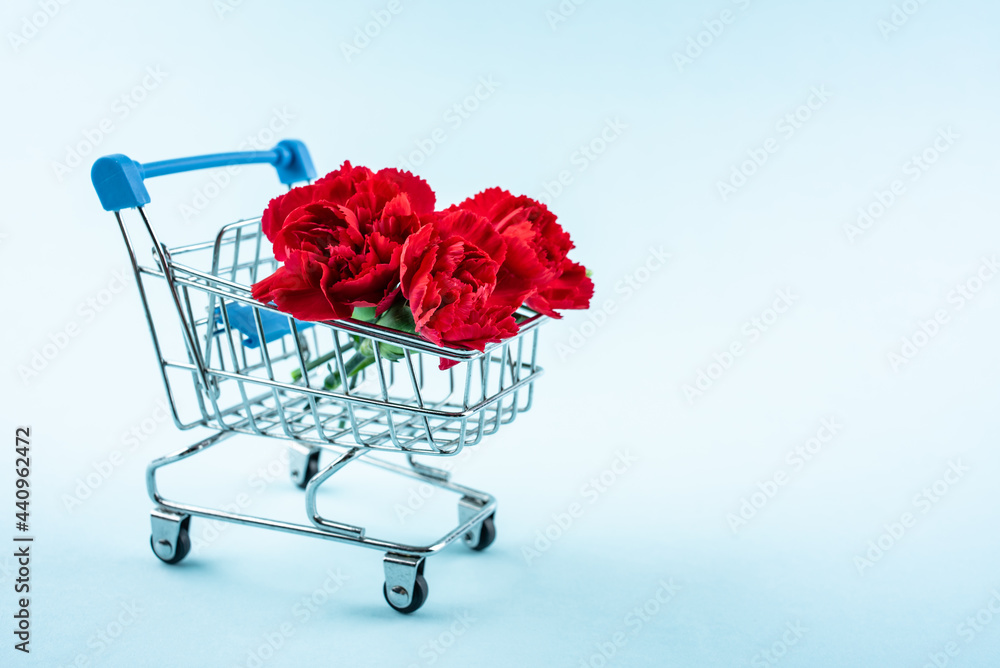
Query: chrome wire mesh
{"x":277,"y":388}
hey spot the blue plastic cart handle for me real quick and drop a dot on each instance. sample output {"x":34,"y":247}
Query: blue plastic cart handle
{"x":118,"y":179}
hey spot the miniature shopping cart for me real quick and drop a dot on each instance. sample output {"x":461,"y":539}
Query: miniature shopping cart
{"x":240,"y":366}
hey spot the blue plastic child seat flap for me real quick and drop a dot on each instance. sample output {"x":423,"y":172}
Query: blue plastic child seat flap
{"x":275,"y":325}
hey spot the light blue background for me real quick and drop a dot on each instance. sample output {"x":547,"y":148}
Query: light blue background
{"x":655,"y":186}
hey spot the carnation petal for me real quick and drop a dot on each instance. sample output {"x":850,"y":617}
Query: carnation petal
{"x":419,"y":194}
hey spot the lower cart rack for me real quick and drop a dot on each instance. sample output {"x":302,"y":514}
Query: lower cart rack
{"x":405,"y":587}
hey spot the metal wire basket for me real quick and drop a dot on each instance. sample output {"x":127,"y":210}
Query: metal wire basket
{"x":275,"y":389}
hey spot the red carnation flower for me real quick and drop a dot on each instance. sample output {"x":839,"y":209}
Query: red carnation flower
{"x":340,"y":241}
{"x":536,"y":260}
{"x":449,"y":274}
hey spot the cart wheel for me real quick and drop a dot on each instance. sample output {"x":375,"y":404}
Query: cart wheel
{"x":312,"y":466}
{"x":181,"y":551}
{"x":487,"y":534}
{"x":419,"y":596}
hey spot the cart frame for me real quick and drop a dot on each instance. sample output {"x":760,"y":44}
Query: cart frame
{"x":238,"y":387}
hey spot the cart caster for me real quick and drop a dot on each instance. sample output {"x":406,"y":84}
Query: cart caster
{"x":487,"y":534}
{"x":170,"y":539}
{"x":417,"y":600}
{"x":481,"y":536}
{"x":303,"y":464}
{"x":405,"y":587}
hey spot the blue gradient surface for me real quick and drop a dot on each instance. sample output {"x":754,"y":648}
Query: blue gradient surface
{"x":772,"y":441}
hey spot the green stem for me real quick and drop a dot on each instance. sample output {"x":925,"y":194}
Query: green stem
{"x":312,"y":364}
{"x":352,"y":367}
